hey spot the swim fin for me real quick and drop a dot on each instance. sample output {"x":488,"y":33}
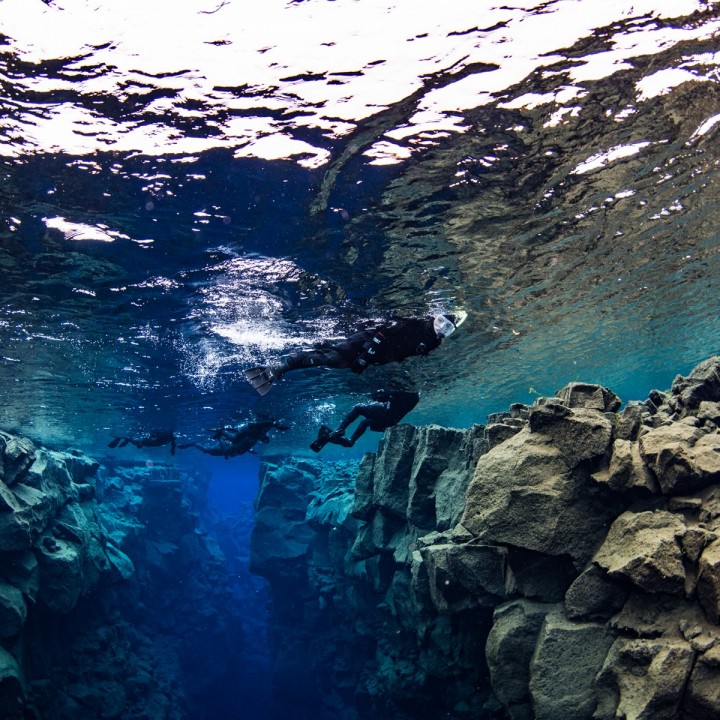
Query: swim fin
{"x":113,"y":443}
{"x":261,"y":378}
{"x":323,"y":438}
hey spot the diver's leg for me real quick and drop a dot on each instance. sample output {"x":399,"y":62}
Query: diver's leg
{"x":359,"y":431}
{"x":374,"y":412}
{"x":328,"y":357}
{"x":351,"y":417}
{"x":206,"y":450}
{"x":263,"y":377}
{"x":339,"y":439}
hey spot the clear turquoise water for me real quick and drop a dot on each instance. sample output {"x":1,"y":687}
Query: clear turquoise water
{"x":179,"y":205}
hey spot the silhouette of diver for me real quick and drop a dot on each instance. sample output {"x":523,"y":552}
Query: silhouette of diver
{"x":232,"y":442}
{"x":388,"y":408}
{"x":393,"y":341}
{"x":155,"y":438}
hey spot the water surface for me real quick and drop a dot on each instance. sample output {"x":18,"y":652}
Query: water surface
{"x":190,"y":189}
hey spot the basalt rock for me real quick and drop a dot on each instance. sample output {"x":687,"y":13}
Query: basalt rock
{"x":562,"y":561}
{"x":645,"y":548}
{"x":535,"y":490}
{"x":113,"y":602}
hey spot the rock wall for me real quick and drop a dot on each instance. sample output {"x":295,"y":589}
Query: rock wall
{"x":114,"y":603}
{"x":561,"y":562}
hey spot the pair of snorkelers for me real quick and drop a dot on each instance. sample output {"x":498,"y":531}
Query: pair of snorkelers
{"x":229,"y":442}
{"x":393,"y":341}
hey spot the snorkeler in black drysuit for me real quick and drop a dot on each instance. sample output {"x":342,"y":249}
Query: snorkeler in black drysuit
{"x":388,"y":408}
{"x":154,"y":438}
{"x":394,"y":341}
{"x":232,"y":442}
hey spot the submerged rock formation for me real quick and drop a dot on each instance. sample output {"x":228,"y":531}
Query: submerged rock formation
{"x":113,"y":602}
{"x":561,"y":562}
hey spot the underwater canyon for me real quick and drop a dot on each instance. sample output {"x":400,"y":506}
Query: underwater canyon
{"x":561,"y":561}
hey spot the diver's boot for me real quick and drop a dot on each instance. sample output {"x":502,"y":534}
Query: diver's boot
{"x":338,"y":438}
{"x":324,"y":434}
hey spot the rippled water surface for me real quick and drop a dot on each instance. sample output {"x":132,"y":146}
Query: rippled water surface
{"x":189,"y":189}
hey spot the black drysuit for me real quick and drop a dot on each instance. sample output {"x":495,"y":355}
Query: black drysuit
{"x":393,"y":341}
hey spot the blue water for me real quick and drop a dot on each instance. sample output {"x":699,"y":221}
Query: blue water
{"x":190,"y":192}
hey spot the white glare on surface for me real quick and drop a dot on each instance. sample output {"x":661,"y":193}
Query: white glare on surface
{"x":80,"y":231}
{"x":605,"y":158}
{"x":662,"y":82}
{"x":313,"y":65}
{"x":706,"y":127}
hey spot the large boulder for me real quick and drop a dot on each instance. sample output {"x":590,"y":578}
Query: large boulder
{"x":683,"y":456}
{"x":393,"y":467}
{"x":594,"y":596}
{"x":509,"y":651}
{"x":17,"y":454}
{"x":32,"y":502}
{"x":434,"y":448}
{"x":13,"y":610}
{"x":703,"y":383}
{"x":363,"y":503}
{"x":528,"y":491}
{"x":626,"y":470}
{"x":645,"y":548}
{"x":61,"y":580}
{"x":25,"y":512}
{"x":567,"y":657}
{"x":12,"y":695}
{"x":580,"y":434}
{"x":420,"y":475}
{"x":465,"y":576}
{"x":644,"y":679}
{"x":702,"y":697}
{"x":589,"y":396}
{"x":71,"y":557}
{"x":708,"y":582}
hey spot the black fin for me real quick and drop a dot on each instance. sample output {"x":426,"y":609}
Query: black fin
{"x":324,"y":434}
{"x":261,"y":378}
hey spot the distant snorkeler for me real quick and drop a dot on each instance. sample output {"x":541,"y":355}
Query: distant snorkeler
{"x":393,"y":341}
{"x":388,"y":408}
{"x":155,"y":438}
{"x":237,"y":441}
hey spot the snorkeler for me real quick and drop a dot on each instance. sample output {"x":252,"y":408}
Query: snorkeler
{"x":154,"y":438}
{"x":232,"y":442}
{"x":388,"y":408}
{"x":394,"y":341}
